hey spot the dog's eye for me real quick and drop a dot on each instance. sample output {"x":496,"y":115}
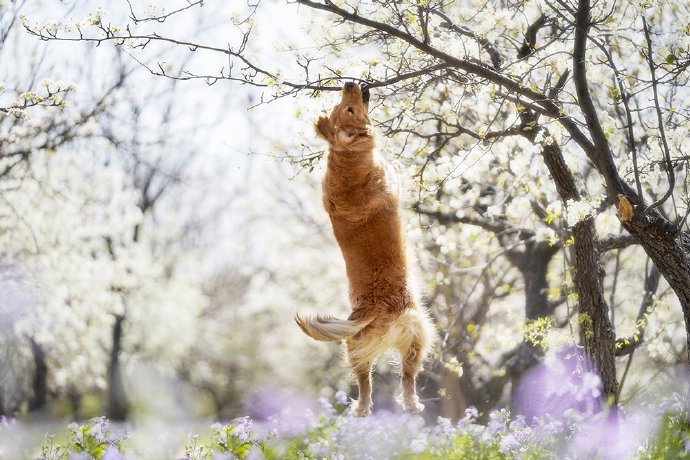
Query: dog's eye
{"x":350,"y":110}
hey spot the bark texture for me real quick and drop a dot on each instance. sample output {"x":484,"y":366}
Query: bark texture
{"x":596,"y":331}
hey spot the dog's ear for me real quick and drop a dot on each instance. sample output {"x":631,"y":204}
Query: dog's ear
{"x":324,"y":129}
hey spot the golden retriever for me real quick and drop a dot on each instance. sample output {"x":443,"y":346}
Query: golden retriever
{"x":362,"y":203}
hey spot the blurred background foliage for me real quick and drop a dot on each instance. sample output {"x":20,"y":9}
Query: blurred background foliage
{"x":156,"y":237}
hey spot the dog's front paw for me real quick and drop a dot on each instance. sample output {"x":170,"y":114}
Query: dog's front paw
{"x":360,"y":410}
{"x":324,"y":128}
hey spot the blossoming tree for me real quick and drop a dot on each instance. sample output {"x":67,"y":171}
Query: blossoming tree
{"x":536,"y":122}
{"x":91,"y":261}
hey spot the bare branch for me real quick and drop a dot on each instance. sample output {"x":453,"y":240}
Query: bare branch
{"x":161,"y":17}
{"x":617,"y":242}
{"x":530,"y":42}
{"x":601,"y":154}
{"x":464,"y":31}
{"x":668,"y":166}
{"x":498,"y":227}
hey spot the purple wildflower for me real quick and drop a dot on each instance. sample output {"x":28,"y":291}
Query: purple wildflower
{"x":242,"y":428}
{"x":341,"y":398}
{"x":498,"y":422}
{"x":79,"y":456}
{"x":112,"y":454}
{"x":508,"y":444}
{"x":319,"y":450}
{"x":418,"y":445}
{"x":444,"y":426}
{"x":559,"y":386}
{"x":471,"y":414}
{"x":611,"y":436}
{"x":326,"y":406}
{"x":285,"y":412}
{"x":98,"y":429}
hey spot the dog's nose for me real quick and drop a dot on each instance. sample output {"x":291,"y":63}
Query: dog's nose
{"x":349,"y":85}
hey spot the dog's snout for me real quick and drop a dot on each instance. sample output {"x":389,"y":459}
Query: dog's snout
{"x":349,"y":85}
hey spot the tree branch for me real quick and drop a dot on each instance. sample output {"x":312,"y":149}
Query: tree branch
{"x":662,"y":132}
{"x":529,"y":44}
{"x":161,"y":17}
{"x":602,"y":156}
{"x":617,"y":242}
{"x":497,"y":227}
{"x":486,"y":44}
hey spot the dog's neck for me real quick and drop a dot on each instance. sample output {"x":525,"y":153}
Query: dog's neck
{"x":350,"y":166}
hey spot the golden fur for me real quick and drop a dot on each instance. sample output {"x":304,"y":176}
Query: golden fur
{"x":363,"y":207}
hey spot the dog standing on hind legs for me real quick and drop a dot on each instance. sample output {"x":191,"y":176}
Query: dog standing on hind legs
{"x":363,"y":206}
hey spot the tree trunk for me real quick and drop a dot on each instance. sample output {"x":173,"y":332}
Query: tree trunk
{"x":39,"y":383}
{"x":75,"y":400}
{"x":596,"y":331}
{"x":453,"y":405}
{"x":533,"y":264}
{"x":534,"y":267}
{"x":117,"y":399}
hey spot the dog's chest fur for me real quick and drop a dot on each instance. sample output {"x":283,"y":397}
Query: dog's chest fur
{"x":366,"y":222}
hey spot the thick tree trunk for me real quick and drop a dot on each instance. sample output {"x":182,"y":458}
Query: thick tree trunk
{"x":596,"y":331}
{"x":117,"y":399}
{"x":533,"y":267}
{"x":39,"y":382}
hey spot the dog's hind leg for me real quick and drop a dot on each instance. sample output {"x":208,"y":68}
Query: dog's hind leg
{"x":412,"y":363}
{"x":413,"y":343}
{"x":361,"y":362}
{"x":362,"y":407}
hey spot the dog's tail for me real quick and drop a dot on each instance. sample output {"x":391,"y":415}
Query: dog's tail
{"x":329,"y":329}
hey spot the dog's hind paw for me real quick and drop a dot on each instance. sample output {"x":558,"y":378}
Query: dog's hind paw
{"x":415,"y":408}
{"x":359,"y":411}
{"x":412,"y":406}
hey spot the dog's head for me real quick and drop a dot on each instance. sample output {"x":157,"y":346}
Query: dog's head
{"x":349,"y":120}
